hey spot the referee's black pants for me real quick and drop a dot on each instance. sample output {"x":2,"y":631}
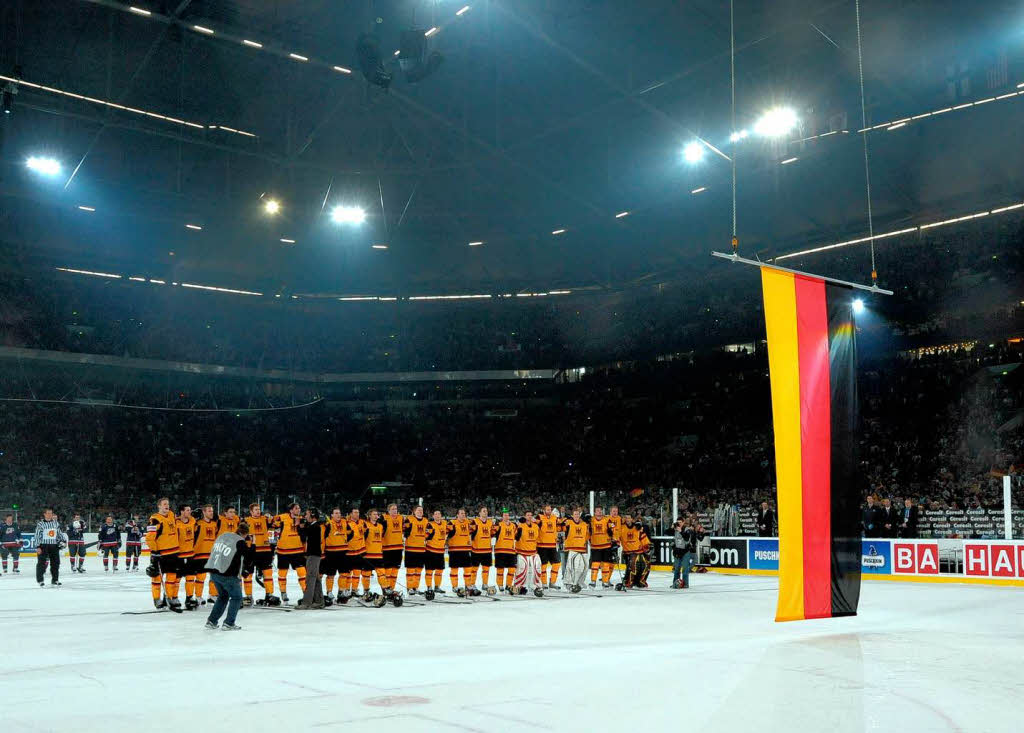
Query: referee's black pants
{"x":48,"y":554}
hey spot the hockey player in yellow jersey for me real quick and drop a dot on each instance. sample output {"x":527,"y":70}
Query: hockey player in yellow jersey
{"x":206,"y":535}
{"x":505,"y":551}
{"x":187,"y":553}
{"x":393,"y":540}
{"x":482,"y":530}
{"x":415,"y":530}
{"x":547,"y":547}
{"x":600,"y":548}
{"x":437,"y":537}
{"x":164,"y":565}
{"x":262,"y":563}
{"x":577,"y":535}
{"x":335,"y":562}
{"x":635,"y":547}
{"x":291,"y":550}
{"x":459,"y":552}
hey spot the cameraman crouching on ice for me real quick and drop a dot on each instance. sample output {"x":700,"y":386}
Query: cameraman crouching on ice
{"x":686,"y":534}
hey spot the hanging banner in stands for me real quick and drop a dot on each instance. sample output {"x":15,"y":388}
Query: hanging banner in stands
{"x":764,"y":554}
{"x":876,"y":557}
{"x":726,"y":553}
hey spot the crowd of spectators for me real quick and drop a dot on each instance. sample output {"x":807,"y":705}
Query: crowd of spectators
{"x":938,"y":431}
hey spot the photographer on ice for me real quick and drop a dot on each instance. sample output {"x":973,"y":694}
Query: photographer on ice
{"x":686,"y":534}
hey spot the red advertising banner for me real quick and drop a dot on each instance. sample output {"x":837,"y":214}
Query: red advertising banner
{"x":915,"y":558}
{"x":993,"y":560}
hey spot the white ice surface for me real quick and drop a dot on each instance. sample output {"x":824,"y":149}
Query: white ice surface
{"x":919,"y":657}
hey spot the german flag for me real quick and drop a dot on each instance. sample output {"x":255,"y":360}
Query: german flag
{"x":812,"y":361}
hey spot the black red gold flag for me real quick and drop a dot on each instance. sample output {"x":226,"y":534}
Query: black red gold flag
{"x":812,"y":361}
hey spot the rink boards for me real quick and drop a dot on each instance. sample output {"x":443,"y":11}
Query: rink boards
{"x":994,"y":562}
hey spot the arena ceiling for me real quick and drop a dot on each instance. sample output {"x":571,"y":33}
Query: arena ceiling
{"x":544,"y":115}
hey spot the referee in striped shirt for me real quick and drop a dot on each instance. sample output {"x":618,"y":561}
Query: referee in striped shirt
{"x":50,"y":539}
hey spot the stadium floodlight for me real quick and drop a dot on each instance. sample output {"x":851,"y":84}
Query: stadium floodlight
{"x":737,"y":136}
{"x":348,"y":215}
{"x":858,"y":306}
{"x":693,"y":152}
{"x":776,"y":122}
{"x":272,"y":206}
{"x":44,"y":166}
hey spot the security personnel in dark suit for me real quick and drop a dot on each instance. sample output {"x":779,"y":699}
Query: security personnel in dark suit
{"x":765,"y":521}
{"x":891,"y":519}
{"x":908,"y":520}
{"x":871,"y":518}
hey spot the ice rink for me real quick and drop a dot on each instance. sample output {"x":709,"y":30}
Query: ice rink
{"x":920,"y":657}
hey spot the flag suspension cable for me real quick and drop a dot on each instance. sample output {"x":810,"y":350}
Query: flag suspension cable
{"x":732,"y":130}
{"x":845,"y":283}
{"x":864,"y":138}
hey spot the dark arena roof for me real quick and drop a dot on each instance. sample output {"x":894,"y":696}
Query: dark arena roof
{"x":541,"y":116}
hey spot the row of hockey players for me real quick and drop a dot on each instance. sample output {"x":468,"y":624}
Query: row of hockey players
{"x":108,"y":545}
{"x":514,"y":556}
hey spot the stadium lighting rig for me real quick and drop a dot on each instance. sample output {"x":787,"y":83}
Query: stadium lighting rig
{"x":43,"y":165}
{"x":776,"y":122}
{"x":348,"y":215}
{"x":693,"y":152}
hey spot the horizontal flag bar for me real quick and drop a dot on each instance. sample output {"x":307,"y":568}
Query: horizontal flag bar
{"x":845,"y":283}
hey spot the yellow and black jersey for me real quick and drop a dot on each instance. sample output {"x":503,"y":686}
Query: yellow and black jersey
{"x":483,"y":532}
{"x":206,"y":535}
{"x":415,"y":533}
{"x":548,"y":531}
{"x":437,"y":533}
{"x":162,"y":534}
{"x":505,"y":538}
{"x":576,"y":535}
{"x":336,"y":535}
{"x":288,"y":540}
{"x":228,"y":524}
{"x":526,"y":538}
{"x":459,"y":535}
{"x":356,"y":537}
{"x":600,"y":533}
{"x":186,"y":537}
{"x":393,"y":531}
{"x":259,"y":532}
{"x":375,"y":540}
{"x":615,"y":524}
{"x":632,"y":538}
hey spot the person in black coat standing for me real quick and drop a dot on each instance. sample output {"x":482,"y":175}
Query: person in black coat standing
{"x":311,"y":531}
{"x":908,"y":520}
{"x":765,"y":521}
{"x":871,"y":518}
{"x":890,"y":519}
